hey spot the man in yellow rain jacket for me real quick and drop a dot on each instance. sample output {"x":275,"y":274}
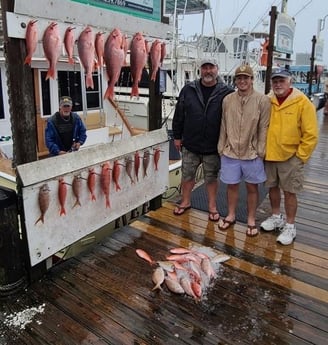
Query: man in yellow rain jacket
{"x":291,"y":138}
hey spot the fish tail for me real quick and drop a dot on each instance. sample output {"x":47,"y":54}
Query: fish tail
{"x":118,"y":187}
{"x":71,"y":61}
{"x":62,"y":211}
{"x":28,"y":60}
{"x":50,"y":73}
{"x":157,"y":286}
{"x":93,"y":197}
{"x":39,"y":219}
{"x":107,"y":202}
{"x":153,"y":76}
{"x":89,"y":81}
{"x":109,"y":94}
{"x":135,"y":90}
{"x":77,"y":202}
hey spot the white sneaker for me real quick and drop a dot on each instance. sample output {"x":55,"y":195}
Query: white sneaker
{"x":287,"y":235}
{"x":274,"y":222}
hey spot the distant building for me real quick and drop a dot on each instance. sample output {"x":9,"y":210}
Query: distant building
{"x":303,"y":59}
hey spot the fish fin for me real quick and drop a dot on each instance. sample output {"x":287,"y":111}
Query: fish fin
{"x":109,"y":94}
{"x":77,"y":202}
{"x":135,"y":91}
{"x":107,"y":202}
{"x":39,"y":219}
{"x":50,"y":73}
{"x":89,"y":82}
{"x":153,"y":76}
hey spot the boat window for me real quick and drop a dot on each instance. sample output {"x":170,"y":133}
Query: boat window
{"x":69,"y":84}
{"x":45,"y":97}
{"x":125,"y":79}
{"x":211,"y":45}
{"x":2,"y":113}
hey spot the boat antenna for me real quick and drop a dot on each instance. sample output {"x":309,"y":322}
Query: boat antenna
{"x":265,"y":15}
{"x":239,"y":14}
{"x":308,"y":3}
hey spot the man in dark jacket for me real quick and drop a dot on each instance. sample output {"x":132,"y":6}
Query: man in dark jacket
{"x":196,"y":127}
{"x":65,"y":131}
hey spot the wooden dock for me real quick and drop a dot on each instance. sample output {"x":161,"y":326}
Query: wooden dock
{"x":265,"y":294}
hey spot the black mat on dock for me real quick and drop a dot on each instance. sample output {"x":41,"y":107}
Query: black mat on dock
{"x":199,"y":200}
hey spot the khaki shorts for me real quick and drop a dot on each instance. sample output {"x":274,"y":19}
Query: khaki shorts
{"x":287,"y":175}
{"x":191,"y":162}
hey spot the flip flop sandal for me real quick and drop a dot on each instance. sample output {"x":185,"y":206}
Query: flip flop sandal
{"x":225,"y":224}
{"x":212,"y":216}
{"x":179,"y":210}
{"x":250,"y":231}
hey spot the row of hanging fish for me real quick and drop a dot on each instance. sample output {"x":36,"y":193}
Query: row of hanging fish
{"x":95,"y":51}
{"x":106,"y":176}
{"x":185,"y":271}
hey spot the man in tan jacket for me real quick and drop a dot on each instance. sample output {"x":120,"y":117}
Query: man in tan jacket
{"x":245,"y":121}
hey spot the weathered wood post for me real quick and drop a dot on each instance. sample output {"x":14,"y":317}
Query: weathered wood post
{"x":12,"y":272}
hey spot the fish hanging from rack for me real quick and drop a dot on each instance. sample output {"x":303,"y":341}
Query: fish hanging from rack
{"x":116,"y":175}
{"x":62,"y":193}
{"x":92,"y":183}
{"x":77,"y":189}
{"x":138,"y":59}
{"x":105,"y":181}
{"x":69,"y":41}
{"x":100,"y":48}
{"x":136,"y":164}
{"x":31,"y":40}
{"x":155,"y":58}
{"x":44,"y":201}
{"x":52,"y":47}
{"x":86,"y":50}
{"x":145,"y":162}
{"x":114,"y":60}
{"x":128,"y":168}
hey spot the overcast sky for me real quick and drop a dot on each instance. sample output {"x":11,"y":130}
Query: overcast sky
{"x":249,"y":14}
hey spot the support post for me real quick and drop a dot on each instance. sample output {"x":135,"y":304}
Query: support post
{"x":273,"y":15}
{"x":12,"y":272}
{"x":312,"y":58}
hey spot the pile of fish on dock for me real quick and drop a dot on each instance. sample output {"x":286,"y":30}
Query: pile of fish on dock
{"x":185,"y":271}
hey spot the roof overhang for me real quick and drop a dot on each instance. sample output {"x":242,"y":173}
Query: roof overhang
{"x":187,"y":6}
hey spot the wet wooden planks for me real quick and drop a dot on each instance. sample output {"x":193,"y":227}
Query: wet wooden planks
{"x":104,"y":296}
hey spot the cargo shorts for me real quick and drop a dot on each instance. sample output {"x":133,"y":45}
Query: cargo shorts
{"x":287,"y":175}
{"x":191,"y":161}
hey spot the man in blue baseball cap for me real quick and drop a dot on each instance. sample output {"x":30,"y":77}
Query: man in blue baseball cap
{"x":291,"y":138}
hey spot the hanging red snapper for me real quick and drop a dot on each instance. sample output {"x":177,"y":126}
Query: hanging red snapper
{"x":31,"y":38}
{"x":77,"y":189}
{"x":155,"y":58}
{"x":145,"y":162}
{"x":86,"y":49}
{"x":69,"y":43}
{"x":138,"y":59}
{"x":92,"y":183}
{"x":114,"y":60}
{"x":44,"y":201}
{"x":136,"y":164}
{"x":52,"y":46}
{"x":62,"y":193}
{"x":105,"y":181}
{"x":116,"y":175}
{"x":99,"y":47}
